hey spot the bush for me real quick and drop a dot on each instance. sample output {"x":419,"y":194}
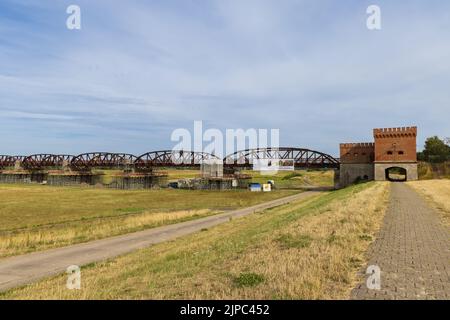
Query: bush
{"x":292,"y":175}
{"x":248,"y":279}
{"x":289,"y":241}
{"x":427,"y":170}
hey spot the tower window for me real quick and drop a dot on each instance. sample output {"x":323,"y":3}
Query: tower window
{"x":389,"y":152}
{"x":400,"y":152}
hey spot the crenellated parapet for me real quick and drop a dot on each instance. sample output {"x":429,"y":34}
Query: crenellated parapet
{"x":360,"y":152}
{"x":358,"y":145}
{"x":398,"y":132}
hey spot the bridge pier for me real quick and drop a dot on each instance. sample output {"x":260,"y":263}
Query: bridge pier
{"x":337,"y":178}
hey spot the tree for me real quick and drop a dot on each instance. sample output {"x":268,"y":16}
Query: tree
{"x":436,"y":150}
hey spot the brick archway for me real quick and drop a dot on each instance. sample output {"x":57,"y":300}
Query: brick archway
{"x":381,"y":169}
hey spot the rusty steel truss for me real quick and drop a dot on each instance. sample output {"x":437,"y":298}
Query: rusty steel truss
{"x":88,"y":161}
{"x":172,"y":158}
{"x":9,"y":161}
{"x":46,"y":161}
{"x":303,"y":158}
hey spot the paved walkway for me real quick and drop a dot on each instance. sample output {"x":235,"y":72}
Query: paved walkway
{"x":31,"y":267}
{"x":412,"y":251}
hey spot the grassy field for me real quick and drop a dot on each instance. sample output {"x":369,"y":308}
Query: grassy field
{"x":296,"y":179}
{"x":437,"y":192}
{"x":283,"y":179}
{"x":172,"y":174}
{"x":176,"y":174}
{"x":310,"y":249}
{"x":37,"y":217}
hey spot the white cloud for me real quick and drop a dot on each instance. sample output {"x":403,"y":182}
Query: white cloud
{"x":311,"y":69}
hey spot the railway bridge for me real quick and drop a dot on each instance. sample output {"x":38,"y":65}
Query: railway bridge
{"x":300,"y":158}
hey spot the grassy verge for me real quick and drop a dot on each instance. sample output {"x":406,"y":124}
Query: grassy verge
{"x":305,"y":250}
{"x":437,"y":193}
{"x":41,"y":217}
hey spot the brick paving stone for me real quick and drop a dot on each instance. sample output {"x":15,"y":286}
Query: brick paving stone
{"x":412,"y":250}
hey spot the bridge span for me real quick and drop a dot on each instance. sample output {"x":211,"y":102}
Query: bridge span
{"x":301,"y":157}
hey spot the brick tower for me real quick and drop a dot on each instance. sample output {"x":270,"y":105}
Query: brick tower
{"x":356,"y":162}
{"x":395,"y":148}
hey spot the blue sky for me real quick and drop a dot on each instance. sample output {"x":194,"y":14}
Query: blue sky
{"x":137,"y":70}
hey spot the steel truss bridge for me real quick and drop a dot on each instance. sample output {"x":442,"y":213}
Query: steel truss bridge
{"x":303,"y":158}
{"x":9,"y":161}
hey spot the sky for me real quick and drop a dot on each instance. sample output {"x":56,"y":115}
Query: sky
{"x":138,"y":70}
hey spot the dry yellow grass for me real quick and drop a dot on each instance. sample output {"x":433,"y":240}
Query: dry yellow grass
{"x":34,"y":217}
{"x":31,"y":206}
{"x":313,"y":258}
{"x":437,"y":193}
{"x":56,"y":236}
{"x":305,"y":250}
